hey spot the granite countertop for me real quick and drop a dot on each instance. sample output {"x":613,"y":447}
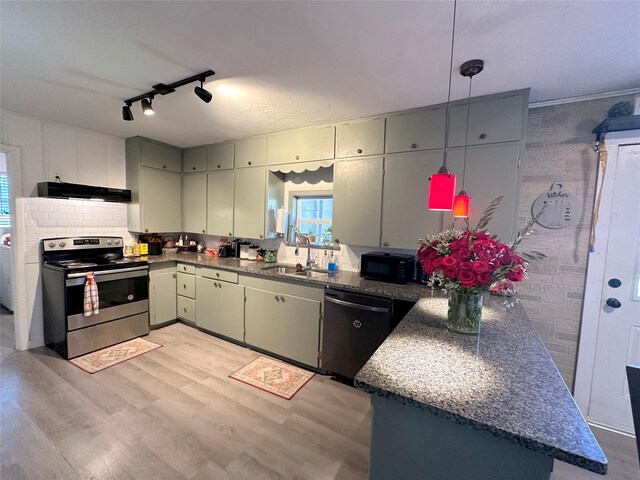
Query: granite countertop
{"x":503,"y":381}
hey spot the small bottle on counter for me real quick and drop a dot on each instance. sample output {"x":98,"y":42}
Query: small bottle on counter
{"x":324,"y":261}
{"x":180,"y":242}
{"x":332,"y":267}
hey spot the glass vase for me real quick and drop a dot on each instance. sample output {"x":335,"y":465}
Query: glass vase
{"x":465,"y":312}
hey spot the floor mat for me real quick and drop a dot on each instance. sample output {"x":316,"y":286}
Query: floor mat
{"x":107,"y":357}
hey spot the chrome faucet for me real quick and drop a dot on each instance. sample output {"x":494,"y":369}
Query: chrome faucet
{"x":309,"y":261}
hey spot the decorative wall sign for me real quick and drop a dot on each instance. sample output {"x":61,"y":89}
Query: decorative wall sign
{"x":562,"y":209}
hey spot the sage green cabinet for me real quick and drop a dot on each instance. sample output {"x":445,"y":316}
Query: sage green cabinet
{"x":492,"y":170}
{"x":251,"y":152}
{"x":355,"y":139}
{"x":220,"y":307}
{"x":186,"y":285}
{"x":357,"y":201}
{"x":186,"y":308}
{"x":405,"y":218}
{"x":249,"y":202}
{"x":283,"y":324}
{"x":492,"y":120}
{"x":162,"y":293}
{"x":220,"y":187}
{"x":194,"y":203}
{"x":194,"y":159}
{"x":156,"y":192}
{"x":301,"y":145}
{"x":159,"y":155}
{"x":416,"y":130}
{"x":220,"y":156}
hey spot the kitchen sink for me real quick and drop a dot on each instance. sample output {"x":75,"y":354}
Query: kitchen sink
{"x":291,"y":270}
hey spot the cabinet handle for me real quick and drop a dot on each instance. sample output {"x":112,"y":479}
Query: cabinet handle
{"x":337,"y":240}
{"x":218,"y":166}
{"x":260,"y":236}
{"x":277,"y":298}
{"x":174,"y":275}
{"x":146,"y":230}
{"x":483,"y":136}
{"x":217,"y":274}
{"x":185,"y":310}
{"x":249,"y":163}
{"x":413,"y":145}
{"x":282,"y":299}
{"x":359,"y":150}
{"x":385,"y":244}
{"x":230,"y":234}
{"x":164,"y":166}
{"x":219,"y":285}
{"x":203,"y":231}
{"x":194,"y":168}
{"x":297,"y":157}
{"x":215,"y":285}
{"x":184,"y":286}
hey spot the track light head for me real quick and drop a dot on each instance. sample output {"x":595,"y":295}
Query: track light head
{"x":147,"y":109}
{"x":126,"y":112}
{"x":203,"y":94}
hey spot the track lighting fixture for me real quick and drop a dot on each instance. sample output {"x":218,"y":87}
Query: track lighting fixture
{"x":147,"y":109}
{"x":146,"y":99}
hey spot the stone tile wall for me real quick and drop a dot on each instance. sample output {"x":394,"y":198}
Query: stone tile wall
{"x":559,"y":148}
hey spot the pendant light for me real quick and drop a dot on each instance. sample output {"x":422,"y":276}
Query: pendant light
{"x":462,"y":201}
{"x":442,"y":185}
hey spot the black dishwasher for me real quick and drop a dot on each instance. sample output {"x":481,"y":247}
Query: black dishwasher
{"x":355,"y":325}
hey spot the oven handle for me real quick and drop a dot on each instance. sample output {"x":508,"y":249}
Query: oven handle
{"x":107,"y":275}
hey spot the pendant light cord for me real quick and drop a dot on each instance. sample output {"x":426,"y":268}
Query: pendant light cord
{"x":446,"y":130}
{"x":466,"y":137}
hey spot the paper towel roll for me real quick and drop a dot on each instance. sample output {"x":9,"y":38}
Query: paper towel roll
{"x":281,"y":220}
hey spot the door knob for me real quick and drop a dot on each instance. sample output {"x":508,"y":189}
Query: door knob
{"x":613,"y":302}
{"x":614,"y":282}
{"x":357,"y":323}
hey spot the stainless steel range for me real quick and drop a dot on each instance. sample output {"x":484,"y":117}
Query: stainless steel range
{"x":121,"y":289}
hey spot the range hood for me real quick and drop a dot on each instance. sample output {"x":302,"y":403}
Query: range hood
{"x":85,"y":192}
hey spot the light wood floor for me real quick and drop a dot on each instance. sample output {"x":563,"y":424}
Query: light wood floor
{"x":173,"y":413}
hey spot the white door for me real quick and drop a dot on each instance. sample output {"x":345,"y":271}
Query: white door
{"x":618,"y":335}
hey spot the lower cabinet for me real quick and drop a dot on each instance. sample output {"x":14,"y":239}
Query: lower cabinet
{"x":220,"y":307}
{"x":162,"y":293}
{"x":283,"y":324}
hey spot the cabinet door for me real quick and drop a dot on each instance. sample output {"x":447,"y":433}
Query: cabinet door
{"x":360,"y":138}
{"x":490,"y":121}
{"x":301,"y":146}
{"x":283,"y":324}
{"x":162,"y":292}
{"x":194,"y":203}
{"x":220,"y":156}
{"x":357,"y":201}
{"x":207,"y":303}
{"x":230,"y":315}
{"x":160,"y":156}
{"x":492,"y":170}
{"x":220,"y":187}
{"x":251,"y":152}
{"x":405,"y":218}
{"x":422,"y":130}
{"x":194,"y":160}
{"x":160,"y":200}
{"x":249,"y":202}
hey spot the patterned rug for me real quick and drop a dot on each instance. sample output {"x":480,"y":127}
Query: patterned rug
{"x":273,"y":376}
{"x":110,"y":356}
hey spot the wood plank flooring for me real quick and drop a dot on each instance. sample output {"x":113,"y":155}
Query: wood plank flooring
{"x":173,"y":413}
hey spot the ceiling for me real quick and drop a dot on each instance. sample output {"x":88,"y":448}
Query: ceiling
{"x":281,"y":65}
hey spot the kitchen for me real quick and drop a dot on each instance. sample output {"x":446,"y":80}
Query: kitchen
{"x":48,"y":147}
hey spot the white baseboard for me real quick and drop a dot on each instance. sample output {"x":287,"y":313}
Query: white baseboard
{"x":35,"y":343}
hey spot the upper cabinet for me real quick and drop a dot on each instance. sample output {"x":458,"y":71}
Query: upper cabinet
{"x":251,"y":152}
{"x":194,"y":203}
{"x":358,"y":138}
{"x":301,"y":145}
{"x":416,"y":130}
{"x":160,"y":155}
{"x":220,"y":156}
{"x":250,"y":193}
{"x":492,"y":120}
{"x":194,"y":159}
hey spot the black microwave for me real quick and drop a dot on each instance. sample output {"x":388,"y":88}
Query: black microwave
{"x":388,"y":267}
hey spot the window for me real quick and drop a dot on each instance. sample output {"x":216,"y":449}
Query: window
{"x":5,"y":221}
{"x":313,"y":217}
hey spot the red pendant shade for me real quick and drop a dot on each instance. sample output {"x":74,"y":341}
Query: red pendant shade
{"x":461,"y":205}
{"x":442,"y":188}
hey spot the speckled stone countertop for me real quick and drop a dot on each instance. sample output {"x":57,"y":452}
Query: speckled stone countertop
{"x":502,"y":381}
{"x":342,"y":279}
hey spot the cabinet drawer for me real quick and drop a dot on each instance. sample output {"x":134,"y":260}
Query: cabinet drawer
{"x":360,"y":138}
{"x":186,"y":285}
{"x":186,"y":308}
{"x":422,"y":130}
{"x":220,"y":156}
{"x":251,"y":152}
{"x":490,"y":121}
{"x":301,"y":146}
{"x":194,"y":160}
{"x":216,"y":274}
{"x":160,"y":156}
{"x":184,"y":268}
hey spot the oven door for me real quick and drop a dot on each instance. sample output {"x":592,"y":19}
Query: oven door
{"x":122,"y":293}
